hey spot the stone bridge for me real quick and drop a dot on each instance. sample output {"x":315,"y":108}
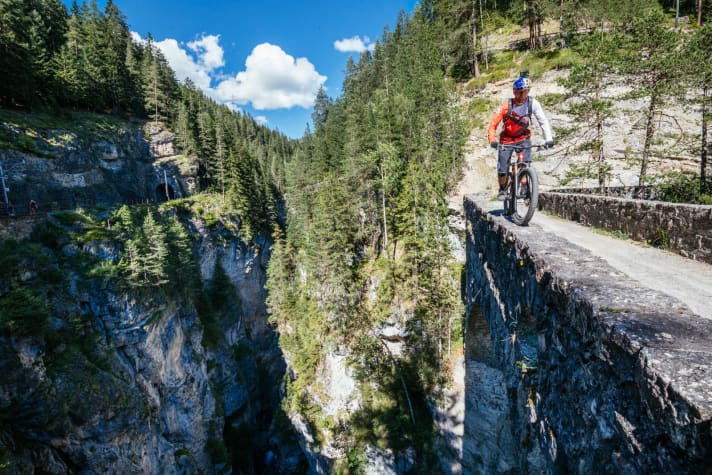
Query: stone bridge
{"x":584,"y":353}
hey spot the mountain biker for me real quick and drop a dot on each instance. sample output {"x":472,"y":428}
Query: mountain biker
{"x":516,"y":115}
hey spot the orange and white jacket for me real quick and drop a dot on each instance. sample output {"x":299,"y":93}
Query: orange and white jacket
{"x":507,"y":135}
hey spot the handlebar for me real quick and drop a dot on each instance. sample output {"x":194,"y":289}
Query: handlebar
{"x":520,"y":147}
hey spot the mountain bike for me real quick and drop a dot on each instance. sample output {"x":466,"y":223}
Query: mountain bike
{"x":521,"y":186}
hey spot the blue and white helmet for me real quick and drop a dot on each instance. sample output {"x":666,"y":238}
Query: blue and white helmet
{"x":521,"y":83}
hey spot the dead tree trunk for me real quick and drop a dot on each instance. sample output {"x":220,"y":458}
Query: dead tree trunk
{"x":649,"y":132}
{"x":475,"y":60}
{"x":703,"y":152}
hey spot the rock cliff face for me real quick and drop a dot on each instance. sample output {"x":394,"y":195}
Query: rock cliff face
{"x":126,"y":162}
{"x":145,"y":395}
{"x":573,"y":367}
{"x":126,"y":381}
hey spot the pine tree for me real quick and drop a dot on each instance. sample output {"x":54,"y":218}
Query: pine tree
{"x":135,"y":91}
{"x":117,"y":81}
{"x":242,"y":187}
{"x":31,"y":33}
{"x":654,"y":63}
{"x":586,"y":82}
{"x":159,"y":84}
{"x":699,"y":69}
{"x":206,"y":146}
{"x":93,"y":60}
{"x":221,"y":151}
{"x":181,"y":266}
{"x":68,"y":63}
{"x":154,"y":258}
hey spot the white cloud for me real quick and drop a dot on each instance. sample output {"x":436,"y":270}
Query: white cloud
{"x":233,"y":107}
{"x":185,"y":65}
{"x":210,"y":53}
{"x":261,"y":119}
{"x":354,"y":45}
{"x":136,"y":37}
{"x":272,"y":80}
{"x":206,"y":56}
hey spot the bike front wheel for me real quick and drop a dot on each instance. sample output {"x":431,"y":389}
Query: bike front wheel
{"x":526,"y":196}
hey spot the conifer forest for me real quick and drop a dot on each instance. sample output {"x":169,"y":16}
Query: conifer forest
{"x":356,"y":209}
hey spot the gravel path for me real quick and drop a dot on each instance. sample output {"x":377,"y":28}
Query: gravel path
{"x":687,"y":280}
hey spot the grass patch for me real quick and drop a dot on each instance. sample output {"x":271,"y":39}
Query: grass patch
{"x":660,"y":239}
{"x":507,"y":64}
{"x":210,"y":208}
{"x":478,"y":112}
{"x":539,"y":62}
{"x":72,"y":218}
{"x":610,"y":309}
{"x":70,"y":121}
{"x":614,"y":233}
{"x":551,"y":99}
{"x":42,"y":134}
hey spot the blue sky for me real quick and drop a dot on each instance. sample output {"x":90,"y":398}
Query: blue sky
{"x":267,"y":58}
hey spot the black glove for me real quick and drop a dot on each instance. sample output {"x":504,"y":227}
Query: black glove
{"x":494,"y":145}
{"x":549,"y":144}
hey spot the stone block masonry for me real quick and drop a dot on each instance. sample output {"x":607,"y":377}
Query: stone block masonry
{"x":682,"y":228}
{"x":572,"y":367}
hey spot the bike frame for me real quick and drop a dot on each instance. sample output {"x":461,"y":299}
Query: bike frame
{"x":522,"y":185}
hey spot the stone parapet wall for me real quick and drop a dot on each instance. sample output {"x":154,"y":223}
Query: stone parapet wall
{"x":682,"y":228}
{"x":644,"y":192}
{"x":571,"y":367}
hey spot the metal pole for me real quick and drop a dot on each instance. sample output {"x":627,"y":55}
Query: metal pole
{"x":165,"y":180}
{"x":677,"y":11}
{"x":4,"y":190}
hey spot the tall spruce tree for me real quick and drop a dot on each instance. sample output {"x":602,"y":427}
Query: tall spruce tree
{"x":654,"y":65}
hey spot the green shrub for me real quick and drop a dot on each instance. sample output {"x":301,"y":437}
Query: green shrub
{"x":680,"y":187}
{"x":478,"y":111}
{"x":71,"y":218}
{"x":24,"y":313}
{"x":217,"y":451}
{"x":551,"y":99}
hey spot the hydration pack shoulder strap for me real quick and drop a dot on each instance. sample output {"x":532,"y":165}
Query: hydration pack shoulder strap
{"x":521,"y":127}
{"x":516,"y":119}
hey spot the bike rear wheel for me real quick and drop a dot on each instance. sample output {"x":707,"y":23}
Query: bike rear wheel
{"x":526,"y":196}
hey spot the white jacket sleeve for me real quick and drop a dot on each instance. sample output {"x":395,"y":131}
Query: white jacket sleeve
{"x":538,"y":112}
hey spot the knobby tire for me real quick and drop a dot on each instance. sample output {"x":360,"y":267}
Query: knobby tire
{"x":525,"y":198}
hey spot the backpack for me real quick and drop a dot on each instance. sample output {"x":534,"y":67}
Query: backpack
{"x":514,"y":126}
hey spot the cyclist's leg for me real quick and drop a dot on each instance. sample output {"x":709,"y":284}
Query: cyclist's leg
{"x":527,"y":151}
{"x":503,"y":157}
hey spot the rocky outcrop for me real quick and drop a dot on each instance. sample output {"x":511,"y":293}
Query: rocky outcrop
{"x":145,"y":395}
{"x":117,"y":163}
{"x":132,"y":380}
{"x":162,"y":141}
{"x":574,"y":368}
{"x":133,"y":386}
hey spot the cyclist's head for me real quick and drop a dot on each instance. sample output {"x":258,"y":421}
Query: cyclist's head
{"x":522,"y":84}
